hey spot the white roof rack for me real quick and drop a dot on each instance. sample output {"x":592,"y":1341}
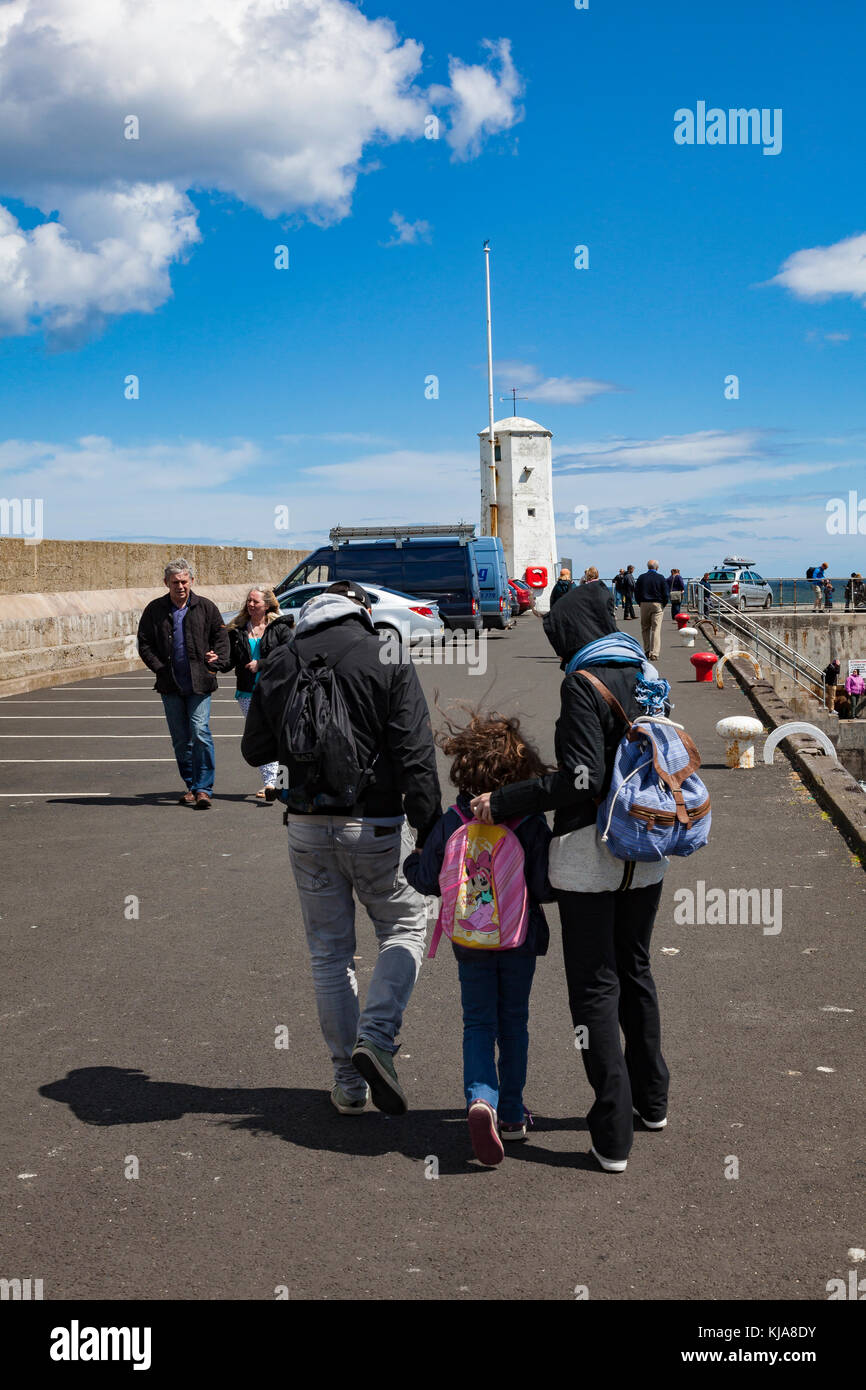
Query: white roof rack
{"x":737,"y":560}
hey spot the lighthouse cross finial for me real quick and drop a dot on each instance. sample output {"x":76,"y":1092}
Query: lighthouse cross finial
{"x":514,"y":397}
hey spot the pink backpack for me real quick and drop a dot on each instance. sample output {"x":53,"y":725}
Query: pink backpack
{"x":485,"y":904}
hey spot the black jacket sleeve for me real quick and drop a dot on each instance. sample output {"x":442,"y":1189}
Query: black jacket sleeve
{"x":148,"y":640}
{"x":535,"y":836}
{"x":218,"y":638}
{"x":409,"y":740}
{"x":423,"y":866}
{"x":582,"y":770}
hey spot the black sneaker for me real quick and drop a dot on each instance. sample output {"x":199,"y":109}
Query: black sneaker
{"x":377,"y":1068}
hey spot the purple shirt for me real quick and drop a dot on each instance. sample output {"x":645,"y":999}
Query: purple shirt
{"x":179,"y":659}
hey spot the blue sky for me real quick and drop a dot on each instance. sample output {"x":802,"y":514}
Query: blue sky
{"x":305,"y":387}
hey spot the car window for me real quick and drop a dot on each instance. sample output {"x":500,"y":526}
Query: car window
{"x":375,"y":564}
{"x":436,"y":568}
{"x":298,"y":597}
{"x":720,"y":576}
{"x":756,"y":578}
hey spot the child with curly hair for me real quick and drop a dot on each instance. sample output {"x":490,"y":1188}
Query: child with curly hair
{"x":488,"y":752}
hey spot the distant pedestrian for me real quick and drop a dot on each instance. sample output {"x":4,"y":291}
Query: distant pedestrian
{"x":563,"y":585}
{"x":259,"y":616}
{"x":677,"y":587}
{"x":855,"y":686}
{"x":183,"y":639}
{"x":853,"y":591}
{"x":628,"y":587}
{"x":368,"y":758}
{"x":618,"y":589}
{"x":828,"y":595}
{"x":816,"y":574}
{"x":705,"y":593}
{"x":488,"y":753}
{"x":590,"y":575}
{"x":651,"y":592}
{"x":831,"y":681}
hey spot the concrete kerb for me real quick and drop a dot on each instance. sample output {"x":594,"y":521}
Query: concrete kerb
{"x":835,"y":790}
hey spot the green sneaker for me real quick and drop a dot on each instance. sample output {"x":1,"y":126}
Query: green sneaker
{"x":377,"y":1068}
{"x":346,"y":1104}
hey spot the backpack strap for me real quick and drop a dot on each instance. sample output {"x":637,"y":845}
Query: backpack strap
{"x":607,"y":695}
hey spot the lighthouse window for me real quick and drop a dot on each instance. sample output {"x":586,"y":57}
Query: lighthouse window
{"x":497,"y":453}
{"x":530,"y":511}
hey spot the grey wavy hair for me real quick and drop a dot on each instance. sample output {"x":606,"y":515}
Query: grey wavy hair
{"x":178,"y":566}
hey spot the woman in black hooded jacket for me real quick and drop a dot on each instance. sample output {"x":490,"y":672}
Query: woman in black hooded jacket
{"x":607,"y":906}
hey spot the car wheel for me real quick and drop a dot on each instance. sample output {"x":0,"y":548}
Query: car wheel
{"x":741,"y":606}
{"x":768,"y":601}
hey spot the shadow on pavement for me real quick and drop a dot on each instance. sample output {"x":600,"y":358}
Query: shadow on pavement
{"x":126,"y":1096}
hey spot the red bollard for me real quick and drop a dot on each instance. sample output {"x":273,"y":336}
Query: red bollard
{"x":682,"y":619}
{"x":703,"y":663}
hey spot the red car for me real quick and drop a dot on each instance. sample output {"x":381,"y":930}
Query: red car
{"x":523,"y":595}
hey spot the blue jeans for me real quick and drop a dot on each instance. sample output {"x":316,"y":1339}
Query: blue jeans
{"x":187,"y":718}
{"x":334,"y":860}
{"x":495,"y":994}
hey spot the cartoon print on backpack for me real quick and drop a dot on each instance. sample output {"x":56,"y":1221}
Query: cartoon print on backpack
{"x":477,"y":901}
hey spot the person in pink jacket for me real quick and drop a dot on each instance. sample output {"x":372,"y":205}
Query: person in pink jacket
{"x":855,"y":686}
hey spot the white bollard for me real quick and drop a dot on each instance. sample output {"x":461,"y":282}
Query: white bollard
{"x":688,"y":635}
{"x":740,"y":732}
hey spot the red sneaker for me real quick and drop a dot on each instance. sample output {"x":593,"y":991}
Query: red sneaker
{"x":486,"y":1144}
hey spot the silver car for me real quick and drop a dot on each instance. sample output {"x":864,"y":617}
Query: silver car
{"x":740,"y":585}
{"x":394,"y":614}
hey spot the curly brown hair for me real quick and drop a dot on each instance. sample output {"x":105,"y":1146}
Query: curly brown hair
{"x":488,"y":751}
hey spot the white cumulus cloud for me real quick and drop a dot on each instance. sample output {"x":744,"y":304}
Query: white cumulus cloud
{"x":821,"y":271}
{"x":276,"y":103}
{"x":556,"y":390}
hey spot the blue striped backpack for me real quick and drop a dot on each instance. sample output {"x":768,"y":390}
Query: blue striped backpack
{"x":656,"y":805}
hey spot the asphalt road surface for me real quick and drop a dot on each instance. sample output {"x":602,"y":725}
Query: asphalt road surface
{"x":158,"y":1144}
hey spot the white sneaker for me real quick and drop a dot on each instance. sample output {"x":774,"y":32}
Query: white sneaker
{"x":610,"y":1165}
{"x":651,"y":1124}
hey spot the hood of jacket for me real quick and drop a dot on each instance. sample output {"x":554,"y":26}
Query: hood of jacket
{"x":579,"y":617}
{"x":329,"y":608}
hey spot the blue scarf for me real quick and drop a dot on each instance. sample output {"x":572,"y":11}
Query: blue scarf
{"x":619,"y":649}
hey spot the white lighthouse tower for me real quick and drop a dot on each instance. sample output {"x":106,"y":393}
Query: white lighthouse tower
{"x":517,"y":499}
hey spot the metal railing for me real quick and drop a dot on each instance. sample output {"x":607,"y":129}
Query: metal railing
{"x":769,"y":649}
{"x":791,"y":593}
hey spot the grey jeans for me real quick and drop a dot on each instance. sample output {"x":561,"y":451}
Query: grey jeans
{"x":335,"y":860}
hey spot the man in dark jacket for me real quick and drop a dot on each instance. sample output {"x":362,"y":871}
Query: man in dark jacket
{"x":831,"y":680}
{"x":653,"y":595}
{"x":628,"y":587}
{"x":337,"y":851}
{"x":183,"y":639}
{"x":563,"y":586}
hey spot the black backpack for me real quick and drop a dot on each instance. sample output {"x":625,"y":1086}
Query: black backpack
{"x":318,"y":746}
{"x":810,"y":572}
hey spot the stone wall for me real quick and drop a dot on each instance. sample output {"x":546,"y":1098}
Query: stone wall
{"x":49,"y":639}
{"x":51,"y":567}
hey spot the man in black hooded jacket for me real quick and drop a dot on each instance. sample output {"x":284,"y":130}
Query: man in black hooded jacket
{"x":357,"y":850}
{"x":605,"y":935}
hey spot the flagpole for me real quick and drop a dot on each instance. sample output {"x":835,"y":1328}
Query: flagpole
{"x":494,"y":510}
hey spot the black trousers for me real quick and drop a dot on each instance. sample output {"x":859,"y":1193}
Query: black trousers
{"x":605,"y":944}
{"x":628,"y":609}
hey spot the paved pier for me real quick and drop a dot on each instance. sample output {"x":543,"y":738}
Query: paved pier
{"x":150,"y":953}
